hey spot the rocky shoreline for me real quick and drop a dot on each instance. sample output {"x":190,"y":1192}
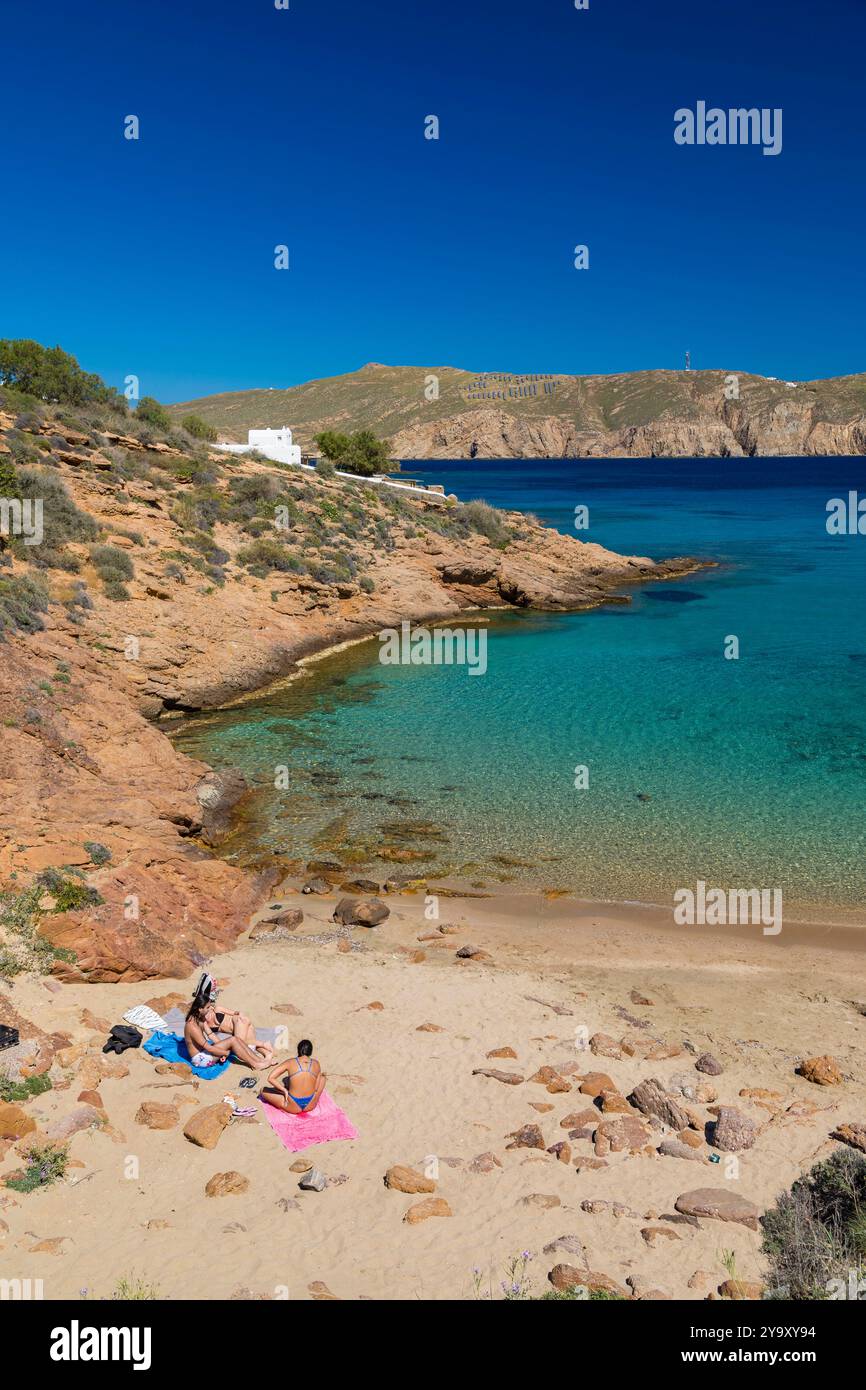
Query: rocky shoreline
{"x":204,"y":617}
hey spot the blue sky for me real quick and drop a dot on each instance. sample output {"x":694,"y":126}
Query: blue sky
{"x":306,"y":127}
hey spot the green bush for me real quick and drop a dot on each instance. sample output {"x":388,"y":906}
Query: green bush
{"x":199,"y":428}
{"x":816,"y":1233}
{"x":22,"y":599}
{"x":10,"y":481}
{"x":150,"y":412}
{"x":267,"y":554}
{"x":111,"y":563}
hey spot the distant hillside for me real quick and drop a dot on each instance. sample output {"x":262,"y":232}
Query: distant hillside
{"x":496,"y":415}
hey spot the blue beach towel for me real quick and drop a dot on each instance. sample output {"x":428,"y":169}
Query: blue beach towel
{"x":172,"y":1049}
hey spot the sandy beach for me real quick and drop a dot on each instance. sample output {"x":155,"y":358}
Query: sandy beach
{"x":555,"y":975}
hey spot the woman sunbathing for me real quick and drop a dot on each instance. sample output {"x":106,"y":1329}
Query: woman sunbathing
{"x":202,"y":1023}
{"x":236,"y":1025}
{"x":296,"y":1086}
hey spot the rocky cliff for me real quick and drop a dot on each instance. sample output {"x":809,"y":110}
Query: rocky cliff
{"x":442,"y":412}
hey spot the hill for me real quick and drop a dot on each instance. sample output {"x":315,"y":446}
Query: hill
{"x":503,"y":415}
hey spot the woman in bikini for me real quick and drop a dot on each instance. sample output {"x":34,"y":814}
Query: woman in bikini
{"x":236,"y":1025}
{"x":205,"y":1048}
{"x":296,"y":1086}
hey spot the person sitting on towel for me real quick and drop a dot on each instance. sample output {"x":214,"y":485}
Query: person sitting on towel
{"x":296,"y":1086}
{"x":203,"y":1022}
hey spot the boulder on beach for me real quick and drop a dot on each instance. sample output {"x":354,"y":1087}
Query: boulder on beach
{"x":718,"y":1204}
{"x":204,"y":1127}
{"x":361,"y":912}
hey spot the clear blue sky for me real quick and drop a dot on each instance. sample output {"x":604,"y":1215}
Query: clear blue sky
{"x":306,"y":127}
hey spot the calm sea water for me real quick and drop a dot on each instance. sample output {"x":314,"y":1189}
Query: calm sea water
{"x":755,"y":768}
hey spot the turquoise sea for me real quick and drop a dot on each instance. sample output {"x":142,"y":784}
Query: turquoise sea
{"x":755,"y":768}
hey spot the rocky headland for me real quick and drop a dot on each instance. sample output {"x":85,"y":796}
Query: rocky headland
{"x":173,"y":579}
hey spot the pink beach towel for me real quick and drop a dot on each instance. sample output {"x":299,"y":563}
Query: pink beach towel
{"x":297,"y":1132}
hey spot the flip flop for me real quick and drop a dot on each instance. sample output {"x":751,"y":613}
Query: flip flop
{"x":248,"y":1081}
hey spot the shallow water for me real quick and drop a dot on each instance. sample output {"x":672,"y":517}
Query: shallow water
{"x":755,"y":768}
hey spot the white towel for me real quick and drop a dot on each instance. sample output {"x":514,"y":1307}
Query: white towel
{"x":143,"y":1017}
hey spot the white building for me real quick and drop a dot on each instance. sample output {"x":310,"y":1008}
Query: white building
{"x":274,"y":444}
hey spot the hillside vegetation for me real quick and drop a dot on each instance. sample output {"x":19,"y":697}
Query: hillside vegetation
{"x":640,"y":413}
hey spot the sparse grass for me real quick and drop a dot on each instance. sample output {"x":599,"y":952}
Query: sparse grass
{"x":133,"y":1289}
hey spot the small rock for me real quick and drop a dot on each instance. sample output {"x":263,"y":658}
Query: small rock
{"x":655,"y":1234}
{"x":651,"y":1098}
{"x":561,"y":1151}
{"x":823,"y":1071}
{"x":564,"y":1277}
{"x":315,"y":1181}
{"x":708,"y":1064}
{"x":675,"y":1148}
{"x":601,"y":1045}
{"x":527,"y":1137}
{"x":484,"y":1163}
{"x":422,"y":1211}
{"x":572,"y":1245}
{"x":544,"y":1201}
{"x":155,"y":1116}
{"x":508,"y":1078}
{"x":403,"y":1179}
{"x":503,"y":1052}
{"x":733,"y":1130}
{"x":227,"y":1184}
{"x":612,"y":1103}
{"x":741,"y":1289}
{"x":317,"y":885}
{"x":625,"y":1132}
{"x":595,"y":1083}
{"x":429,"y":1028}
{"x":320,"y":1293}
{"x":853,"y":1134}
